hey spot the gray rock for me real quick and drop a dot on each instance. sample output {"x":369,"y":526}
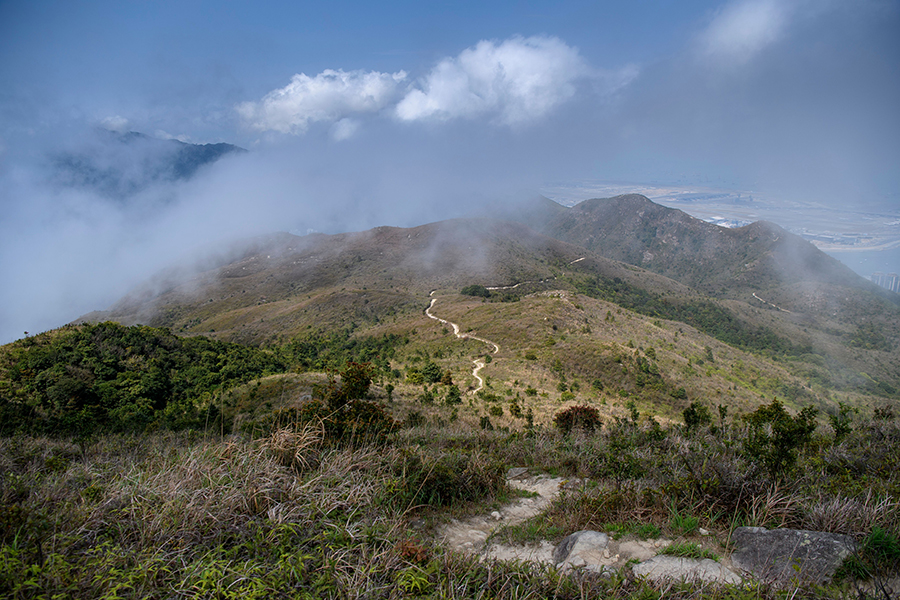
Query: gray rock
{"x":789,"y":554}
{"x":517,"y":473}
{"x":637,"y":550}
{"x":581,"y":548}
{"x":664,"y":567}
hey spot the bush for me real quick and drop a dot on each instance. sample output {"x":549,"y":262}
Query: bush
{"x":453,"y":396}
{"x":585,"y":418}
{"x":448,"y":478}
{"x":841,"y":420}
{"x":355,"y":381}
{"x":878,"y":555}
{"x":476,"y":290}
{"x":696,"y":415}
{"x":774,"y":437}
{"x":431,"y":372}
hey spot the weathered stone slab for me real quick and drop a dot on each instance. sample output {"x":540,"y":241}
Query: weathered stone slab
{"x":581,"y":548}
{"x":789,"y":554}
{"x":706,"y":570}
{"x":637,"y":550}
{"x":517,"y":473}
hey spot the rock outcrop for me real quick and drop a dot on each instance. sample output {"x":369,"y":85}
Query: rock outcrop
{"x":789,"y":554}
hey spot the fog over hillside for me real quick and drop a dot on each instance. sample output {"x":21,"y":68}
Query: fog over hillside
{"x":356,"y":116}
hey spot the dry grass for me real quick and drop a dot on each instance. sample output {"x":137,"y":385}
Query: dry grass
{"x":185,"y":515}
{"x":851,"y":516}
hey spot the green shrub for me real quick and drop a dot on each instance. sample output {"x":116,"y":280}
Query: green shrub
{"x":877,"y":555}
{"x":696,"y":415}
{"x":585,"y":418}
{"x":431,"y":372}
{"x":453,"y":396}
{"x":841,"y":420}
{"x":476,"y":290}
{"x":447,"y":478}
{"x":355,"y":381}
{"x":774,"y":437}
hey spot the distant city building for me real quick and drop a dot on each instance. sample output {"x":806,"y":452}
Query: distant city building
{"x":890,"y":281}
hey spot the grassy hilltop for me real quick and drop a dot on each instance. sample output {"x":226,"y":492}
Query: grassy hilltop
{"x":286,"y":420}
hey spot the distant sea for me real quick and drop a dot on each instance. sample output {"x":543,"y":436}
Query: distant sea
{"x":866,"y":262}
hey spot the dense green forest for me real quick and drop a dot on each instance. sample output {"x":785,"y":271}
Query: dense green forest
{"x":108,"y":377}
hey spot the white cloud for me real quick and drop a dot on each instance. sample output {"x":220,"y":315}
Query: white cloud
{"x":516,"y":81}
{"x":165,"y":135}
{"x":329,"y":96}
{"x":344,"y":129}
{"x":742,"y":29}
{"x":115,"y":123}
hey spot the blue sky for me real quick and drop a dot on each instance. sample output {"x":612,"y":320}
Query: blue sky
{"x":360,"y":114}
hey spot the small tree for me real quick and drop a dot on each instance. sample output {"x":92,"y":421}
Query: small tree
{"x":774,"y":437}
{"x":431,"y":372}
{"x":840,"y":421}
{"x":476,"y":290}
{"x":584,"y":417}
{"x":453,"y":396}
{"x":696,"y":415}
{"x":355,"y":381}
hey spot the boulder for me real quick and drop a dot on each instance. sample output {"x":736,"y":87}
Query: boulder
{"x":789,"y":554}
{"x":664,"y":567}
{"x":580,"y":549}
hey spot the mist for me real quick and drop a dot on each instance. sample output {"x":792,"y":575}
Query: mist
{"x":794,"y":98}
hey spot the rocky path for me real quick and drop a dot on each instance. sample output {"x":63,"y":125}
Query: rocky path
{"x":755,"y":552}
{"x":471,"y":535}
{"x":479,"y":364}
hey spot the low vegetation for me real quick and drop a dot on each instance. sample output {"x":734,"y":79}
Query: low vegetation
{"x":337,"y":499}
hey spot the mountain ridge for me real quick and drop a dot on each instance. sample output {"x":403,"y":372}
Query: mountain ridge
{"x":280,"y":286}
{"x":121,"y":164}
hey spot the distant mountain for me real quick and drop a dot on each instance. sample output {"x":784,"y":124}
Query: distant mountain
{"x":360,"y":276}
{"x":119,"y":165}
{"x":760,"y":264}
{"x":756,"y":289}
{"x":718,"y":260}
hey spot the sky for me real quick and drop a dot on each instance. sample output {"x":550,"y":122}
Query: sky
{"x":360,"y":114}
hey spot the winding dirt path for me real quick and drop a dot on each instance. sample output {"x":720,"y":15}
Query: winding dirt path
{"x":479,"y":364}
{"x":512,"y":287}
{"x":770,"y":304}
